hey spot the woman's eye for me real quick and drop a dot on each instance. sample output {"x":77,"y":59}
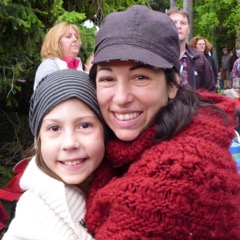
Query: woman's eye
{"x":141,"y":77}
{"x":68,"y":36}
{"x":105,"y":79}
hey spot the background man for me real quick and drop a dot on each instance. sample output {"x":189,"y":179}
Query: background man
{"x":195,"y":69}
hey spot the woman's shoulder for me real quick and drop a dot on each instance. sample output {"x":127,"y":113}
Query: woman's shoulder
{"x":52,"y":61}
{"x":48,"y":66}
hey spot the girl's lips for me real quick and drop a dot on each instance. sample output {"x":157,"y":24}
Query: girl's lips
{"x":73,"y":162}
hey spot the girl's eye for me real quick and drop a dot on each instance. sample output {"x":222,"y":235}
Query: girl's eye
{"x":54,"y":128}
{"x":85,"y":125}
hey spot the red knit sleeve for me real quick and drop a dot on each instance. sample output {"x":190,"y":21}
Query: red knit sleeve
{"x":184,"y":188}
{"x":172,"y":193}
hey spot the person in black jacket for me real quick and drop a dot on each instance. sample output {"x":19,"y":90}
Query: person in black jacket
{"x":195,"y":69}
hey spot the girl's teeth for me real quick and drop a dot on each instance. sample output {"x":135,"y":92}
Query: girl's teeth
{"x":72,"y":163}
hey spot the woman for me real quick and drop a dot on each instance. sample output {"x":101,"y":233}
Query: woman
{"x":60,"y":50}
{"x":204,"y":46}
{"x":168,"y":174}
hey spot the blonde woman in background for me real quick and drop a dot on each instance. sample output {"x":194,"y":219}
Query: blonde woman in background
{"x":60,"y":50}
{"x":204,"y":46}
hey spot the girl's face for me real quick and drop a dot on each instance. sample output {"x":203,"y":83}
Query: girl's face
{"x":130,"y":94}
{"x":70,"y":44}
{"x":201,"y":45}
{"x":72,"y":141}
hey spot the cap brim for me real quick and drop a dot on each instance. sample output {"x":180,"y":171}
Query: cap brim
{"x":130,"y":52}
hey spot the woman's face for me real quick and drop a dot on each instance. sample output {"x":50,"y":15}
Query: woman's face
{"x":72,"y":141}
{"x":70,"y":44}
{"x":201,"y":45}
{"x":130,"y":94}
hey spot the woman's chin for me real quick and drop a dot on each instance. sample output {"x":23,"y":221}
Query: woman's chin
{"x":127,"y":135}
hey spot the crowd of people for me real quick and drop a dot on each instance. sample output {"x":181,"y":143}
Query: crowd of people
{"x":137,"y":145}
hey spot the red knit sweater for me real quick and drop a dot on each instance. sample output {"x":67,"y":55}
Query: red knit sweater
{"x":184,"y":188}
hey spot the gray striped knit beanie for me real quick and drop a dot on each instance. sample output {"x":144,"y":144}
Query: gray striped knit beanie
{"x":58,"y":87}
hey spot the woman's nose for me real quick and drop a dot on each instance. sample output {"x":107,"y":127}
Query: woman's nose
{"x":75,"y":38}
{"x":122,"y":94}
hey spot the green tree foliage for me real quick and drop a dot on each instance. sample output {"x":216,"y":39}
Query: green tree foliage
{"x":161,"y":6}
{"x":97,"y":9}
{"x":23,"y":25}
{"x":218,"y":20}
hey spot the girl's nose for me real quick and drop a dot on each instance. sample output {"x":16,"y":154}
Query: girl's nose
{"x":70,"y":141}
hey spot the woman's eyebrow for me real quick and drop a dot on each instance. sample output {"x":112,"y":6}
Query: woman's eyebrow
{"x":104,"y":68}
{"x":140,"y":66}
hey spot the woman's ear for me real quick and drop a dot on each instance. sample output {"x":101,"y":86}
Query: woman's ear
{"x":173,"y":89}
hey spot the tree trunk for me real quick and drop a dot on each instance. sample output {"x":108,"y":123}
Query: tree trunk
{"x":173,"y":2}
{"x":188,"y":5}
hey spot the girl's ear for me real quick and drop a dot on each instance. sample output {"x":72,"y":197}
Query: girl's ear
{"x":173,"y":89}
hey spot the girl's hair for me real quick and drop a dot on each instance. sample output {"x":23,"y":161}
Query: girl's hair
{"x":51,"y":46}
{"x":35,"y":150}
{"x":194,"y":41}
{"x":178,"y":113}
{"x":41,"y":164}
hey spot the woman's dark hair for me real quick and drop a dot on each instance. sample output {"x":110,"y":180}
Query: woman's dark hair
{"x":179,"y":112}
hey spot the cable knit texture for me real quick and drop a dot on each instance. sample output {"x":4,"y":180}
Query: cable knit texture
{"x":47,"y":210}
{"x":184,"y":188}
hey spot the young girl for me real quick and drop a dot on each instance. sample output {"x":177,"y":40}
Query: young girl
{"x":65,"y":119}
